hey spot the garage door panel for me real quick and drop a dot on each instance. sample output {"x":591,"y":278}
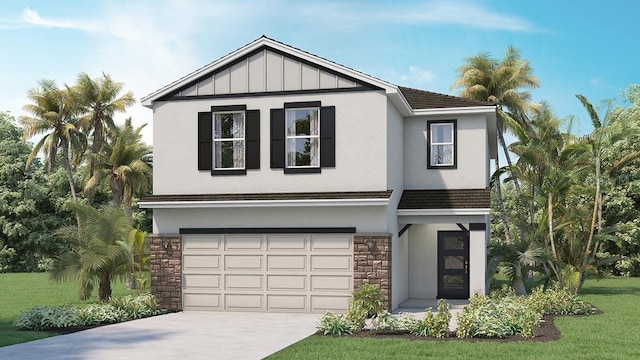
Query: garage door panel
{"x":209,"y":281}
{"x":243,"y":282}
{"x":201,"y":262}
{"x":243,"y":262}
{"x":327,"y":302}
{"x":294,"y":243}
{"x":287,"y":262}
{"x":202,"y":301}
{"x":331,"y":262}
{"x":239,"y":242}
{"x":331,"y":283}
{"x":243,"y":301}
{"x":325,"y":242}
{"x":286,"y":282}
{"x":267,"y":272}
{"x":200,"y":242}
{"x":287,"y":302}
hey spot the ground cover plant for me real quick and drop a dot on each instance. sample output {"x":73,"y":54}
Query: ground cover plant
{"x":613,"y":334}
{"x":22,"y":291}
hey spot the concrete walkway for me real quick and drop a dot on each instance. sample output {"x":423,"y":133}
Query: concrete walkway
{"x":184,"y":335}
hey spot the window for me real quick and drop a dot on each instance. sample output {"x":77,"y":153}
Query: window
{"x":228,"y":139}
{"x":441,"y":149}
{"x":303,"y":137}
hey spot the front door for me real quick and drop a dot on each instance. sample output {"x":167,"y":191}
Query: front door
{"x":453,"y":265}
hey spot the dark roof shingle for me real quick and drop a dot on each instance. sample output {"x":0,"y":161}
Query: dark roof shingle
{"x":271,"y":196}
{"x":421,"y":99}
{"x":446,"y":199}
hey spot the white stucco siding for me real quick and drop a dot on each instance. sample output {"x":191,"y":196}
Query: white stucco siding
{"x":361,"y":147}
{"x":369,"y":219}
{"x":472,"y":165}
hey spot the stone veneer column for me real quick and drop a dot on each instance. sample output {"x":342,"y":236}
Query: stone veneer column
{"x":373,"y":266}
{"x":166,"y":270}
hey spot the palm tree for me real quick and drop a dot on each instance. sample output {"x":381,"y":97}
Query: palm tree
{"x":97,"y":256}
{"x":99,"y":100}
{"x":484,"y":78}
{"x":54,"y":113}
{"x":517,"y":255}
{"x":126,"y":165}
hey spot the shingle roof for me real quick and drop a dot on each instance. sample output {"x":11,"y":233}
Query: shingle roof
{"x":421,"y":99}
{"x":272,"y":196}
{"x":446,"y":199}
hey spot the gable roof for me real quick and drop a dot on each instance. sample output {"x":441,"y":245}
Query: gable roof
{"x":406,"y":100}
{"x":446,"y":199}
{"x":421,"y":99}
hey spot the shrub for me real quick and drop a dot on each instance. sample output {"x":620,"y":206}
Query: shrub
{"x":357,"y":315}
{"x":95,"y":314}
{"x":45,"y":318}
{"x":366,"y":302}
{"x":557,"y":300}
{"x":137,"y":306}
{"x":385,"y":321}
{"x":332,"y":324}
{"x":433,"y":324}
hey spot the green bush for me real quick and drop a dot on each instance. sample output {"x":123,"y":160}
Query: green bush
{"x":95,"y":314}
{"x":498,"y":317}
{"x":433,"y":324}
{"x":332,"y":324}
{"x":385,"y":321}
{"x":557,"y":300}
{"x":365,"y":302}
{"x":137,"y":306}
{"x":44,"y":318}
{"x":357,"y":314}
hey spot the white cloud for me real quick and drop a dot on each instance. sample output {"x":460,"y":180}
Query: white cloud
{"x":33,"y":18}
{"x":418,"y":75}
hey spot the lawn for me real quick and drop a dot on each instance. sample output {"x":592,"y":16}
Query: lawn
{"x":614,"y":334}
{"x":20,"y":292}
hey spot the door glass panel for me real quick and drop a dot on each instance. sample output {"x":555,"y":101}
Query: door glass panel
{"x":454,"y":262}
{"x":453,"y":243}
{"x":453,"y":281}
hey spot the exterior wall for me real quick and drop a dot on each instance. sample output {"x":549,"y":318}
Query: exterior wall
{"x":361,"y":138}
{"x":166,"y":270}
{"x":365,"y":219}
{"x":373,"y":267}
{"x":423,"y":259}
{"x":400,"y":261}
{"x":478,"y":241}
{"x":472,"y":150}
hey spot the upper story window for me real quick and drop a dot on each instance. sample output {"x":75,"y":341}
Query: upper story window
{"x":441,"y":150}
{"x":303,"y":138}
{"x":229,"y":140}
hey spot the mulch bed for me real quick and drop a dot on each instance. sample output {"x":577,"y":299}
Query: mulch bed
{"x":545,"y":333}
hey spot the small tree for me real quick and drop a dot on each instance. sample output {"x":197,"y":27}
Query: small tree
{"x":97,"y":257}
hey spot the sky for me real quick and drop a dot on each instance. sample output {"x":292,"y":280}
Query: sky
{"x":574,"y":46}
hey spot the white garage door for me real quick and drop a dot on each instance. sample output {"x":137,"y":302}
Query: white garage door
{"x":278,"y":273}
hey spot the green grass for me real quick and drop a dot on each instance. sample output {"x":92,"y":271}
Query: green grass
{"x":19,"y":292}
{"x":614,"y":334}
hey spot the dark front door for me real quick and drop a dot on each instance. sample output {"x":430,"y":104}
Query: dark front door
{"x":453,"y":265}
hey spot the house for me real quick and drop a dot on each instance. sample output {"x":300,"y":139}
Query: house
{"x":282,"y":181}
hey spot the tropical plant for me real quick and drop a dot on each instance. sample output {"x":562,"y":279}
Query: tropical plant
{"x":54,"y":113}
{"x":99,"y":100}
{"x":126,"y":164}
{"x":332,"y":324}
{"x":517,"y":255}
{"x":136,"y":248}
{"x":501,"y":82}
{"x":96,"y":257}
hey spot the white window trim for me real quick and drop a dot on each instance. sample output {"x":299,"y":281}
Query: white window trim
{"x":287,"y":137}
{"x":232,"y":140}
{"x":432,"y":143}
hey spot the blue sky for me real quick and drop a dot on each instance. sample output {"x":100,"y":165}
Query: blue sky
{"x":587,"y":47}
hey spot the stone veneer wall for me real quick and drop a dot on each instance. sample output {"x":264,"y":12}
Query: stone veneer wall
{"x":374,"y":266}
{"x":166,"y":270}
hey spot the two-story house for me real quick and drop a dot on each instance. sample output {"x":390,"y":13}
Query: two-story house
{"x":282,"y":181}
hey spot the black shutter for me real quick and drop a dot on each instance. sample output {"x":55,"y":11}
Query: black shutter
{"x":205,"y":134}
{"x":277,"y":138}
{"x":328,"y":136}
{"x":252,"y":139}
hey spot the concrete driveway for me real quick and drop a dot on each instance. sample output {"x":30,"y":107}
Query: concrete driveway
{"x":184,"y":335}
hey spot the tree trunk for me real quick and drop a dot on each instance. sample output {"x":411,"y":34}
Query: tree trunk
{"x":104,"y":291}
{"x":516,"y":181}
{"x":594,"y":216}
{"x":67,"y":167}
{"x":95,"y":147}
{"x":117,"y":190}
{"x":518,"y":283}
{"x":503,"y":213}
